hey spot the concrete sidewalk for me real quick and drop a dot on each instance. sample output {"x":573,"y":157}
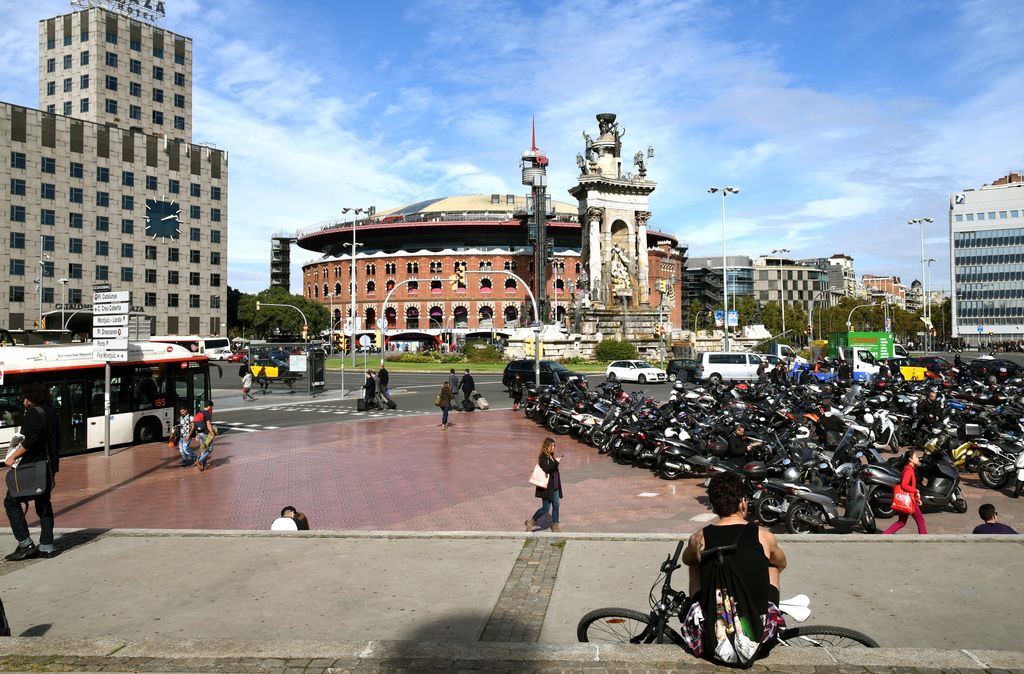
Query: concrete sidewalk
{"x":118,"y":588}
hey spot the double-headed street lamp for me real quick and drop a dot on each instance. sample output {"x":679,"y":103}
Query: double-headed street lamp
{"x":725,"y":269}
{"x":782,"y":288}
{"x":64,"y":282}
{"x":920,"y":222}
{"x":369,"y":211}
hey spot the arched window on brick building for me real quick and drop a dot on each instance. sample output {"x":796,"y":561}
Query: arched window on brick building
{"x":511,"y":316}
{"x":511,"y":286}
{"x":412,"y":318}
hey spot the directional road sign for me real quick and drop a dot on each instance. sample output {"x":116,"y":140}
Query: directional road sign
{"x":120,"y":296}
{"x":108,"y":321}
{"x":110,"y":344}
{"x":112,"y":308}
{"x":113,"y":356}
{"x":109,"y":333}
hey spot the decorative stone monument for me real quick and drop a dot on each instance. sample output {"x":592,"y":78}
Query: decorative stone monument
{"x":614,"y":210}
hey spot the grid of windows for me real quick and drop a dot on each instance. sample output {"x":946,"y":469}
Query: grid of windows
{"x":989,"y":273}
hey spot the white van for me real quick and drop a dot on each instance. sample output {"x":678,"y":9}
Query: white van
{"x":716,"y":366}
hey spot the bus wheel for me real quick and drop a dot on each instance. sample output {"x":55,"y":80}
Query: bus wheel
{"x":147,"y":431}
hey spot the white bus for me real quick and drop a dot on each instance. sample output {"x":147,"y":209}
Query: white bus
{"x":145,"y":392}
{"x":214,"y":348}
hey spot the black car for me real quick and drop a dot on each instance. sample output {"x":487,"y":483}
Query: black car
{"x":684,"y":369}
{"x":524,"y":368}
{"x":984,"y":368}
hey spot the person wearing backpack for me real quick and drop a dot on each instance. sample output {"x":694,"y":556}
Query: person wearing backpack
{"x":42,"y":443}
{"x":734,"y":570}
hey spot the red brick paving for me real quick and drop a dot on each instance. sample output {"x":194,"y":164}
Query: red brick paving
{"x":393,"y":474}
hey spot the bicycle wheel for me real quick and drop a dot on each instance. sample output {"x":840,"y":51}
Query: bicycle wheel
{"x":830,"y":636}
{"x":612,"y":626}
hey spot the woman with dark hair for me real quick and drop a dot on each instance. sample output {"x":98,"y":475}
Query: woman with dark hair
{"x":301,"y":522}
{"x":911,"y":460}
{"x":444,"y":401}
{"x":551,"y":494}
{"x":516,"y":392}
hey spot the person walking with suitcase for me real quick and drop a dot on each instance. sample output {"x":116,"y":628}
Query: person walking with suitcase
{"x":468,"y":386}
{"x":369,"y":391}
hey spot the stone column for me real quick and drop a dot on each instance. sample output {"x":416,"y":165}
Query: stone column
{"x":595,"y":263}
{"x":641,"y":255}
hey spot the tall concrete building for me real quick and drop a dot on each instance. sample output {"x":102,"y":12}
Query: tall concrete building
{"x":986,"y":239}
{"x":103,"y":185}
{"x":842,"y":279}
{"x":780,"y":279}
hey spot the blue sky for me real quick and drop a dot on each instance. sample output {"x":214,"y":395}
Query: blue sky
{"x":838,"y":120}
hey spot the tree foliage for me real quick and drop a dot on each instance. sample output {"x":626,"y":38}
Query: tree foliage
{"x":279,"y":320}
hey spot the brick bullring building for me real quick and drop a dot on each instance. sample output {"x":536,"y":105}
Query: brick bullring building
{"x":428,"y":239}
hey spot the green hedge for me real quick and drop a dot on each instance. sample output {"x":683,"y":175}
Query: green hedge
{"x":613,"y":349}
{"x":480,"y":351}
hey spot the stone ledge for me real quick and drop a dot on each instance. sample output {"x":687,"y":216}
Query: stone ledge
{"x":233,"y":655}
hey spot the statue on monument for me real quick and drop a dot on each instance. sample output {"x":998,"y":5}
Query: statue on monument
{"x":621,"y":283}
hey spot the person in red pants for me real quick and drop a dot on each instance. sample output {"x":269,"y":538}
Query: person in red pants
{"x":911,"y":460}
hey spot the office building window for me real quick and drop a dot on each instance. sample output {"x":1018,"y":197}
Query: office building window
{"x":103,"y":174}
{"x":67,"y":62}
{"x":179,"y":59}
{"x":172,"y":277}
{"x":151,"y":276}
{"x":158,"y":118}
{"x":103,"y":248}
{"x":150,"y":299}
{"x":66,"y":108}
{"x":215,"y":280}
{"x":158,"y":52}
{"x":52,"y":109}
{"x":214,"y":236}
{"x":49,"y":242}
{"x":215,"y":193}
{"x":172,"y":300}
{"x":83,"y":58}
{"x":215,"y":214}
{"x":174,"y":186}
{"x":111,"y":59}
{"x":135,"y":45}
{"x":51,"y":88}
{"x":158,"y":73}
{"x":75,"y":270}
{"x":127,"y":274}
{"x":102,"y":223}
{"x":173,"y":254}
{"x":48,"y":267}
{"x":17,"y":239}
{"x":111,"y":83}
{"x":195,"y":212}
{"x":18,"y":160}
{"x":179,"y":79}
{"x":110,"y":105}
{"x":215,"y":301}
{"x":17,"y":213}
{"x":103,"y":198}
{"x":75,"y":219}
{"x":47,"y":216}
{"x":194,"y":190}
{"x":67,"y":40}
{"x":195,"y":234}
{"x":101,"y":272}
{"x":150,"y":252}
{"x":214,"y":257}
{"x":127,"y":203}
{"x":158,"y":95}
{"x":127,"y":178}
{"x":135,"y":112}
{"x":194,"y":278}
{"x":51,"y":65}
{"x":193,"y":301}
{"x":83,"y":82}
{"x":67,"y":85}
{"x":179,"y":101}
{"x":134,"y":89}
{"x":48,"y":165}
{"x":150,"y":182}
{"x":17,"y":267}
{"x":48,"y":295}
{"x":179,"y":122}
{"x":127,"y":250}
{"x":75,"y":294}
{"x":83,"y":105}
{"x":47,"y":191}
{"x":135,"y":66}
{"x":76,"y":169}
{"x":74,"y":245}
{"x":127,"y":226}
{"x":112,"y":39}
{"x":16,"y":294}
{"x":18,"y":186}
{"x":194,"y":256}
{"x":75,"y":195}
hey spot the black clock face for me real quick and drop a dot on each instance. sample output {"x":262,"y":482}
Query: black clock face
{"x":162,"y":219}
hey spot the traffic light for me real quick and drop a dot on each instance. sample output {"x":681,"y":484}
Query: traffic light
{"x":257,"y":305}
{"x":459,"y":277}
{"x":549,"y":251}
{"x":305,"y":332}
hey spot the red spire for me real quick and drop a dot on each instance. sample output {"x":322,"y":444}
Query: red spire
{"x":533,"y":134}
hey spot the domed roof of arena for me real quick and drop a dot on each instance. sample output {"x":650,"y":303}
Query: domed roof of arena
{"x":473,"y":203}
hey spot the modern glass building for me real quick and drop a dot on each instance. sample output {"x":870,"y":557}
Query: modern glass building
{"x":986,"y":237}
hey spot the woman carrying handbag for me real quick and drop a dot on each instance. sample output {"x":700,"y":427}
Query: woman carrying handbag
{"x":905,"y":498}
{"x":550,"y":492}
{"x":444,"y":401}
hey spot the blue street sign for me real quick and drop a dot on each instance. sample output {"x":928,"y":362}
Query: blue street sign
{"x":981,"y":328}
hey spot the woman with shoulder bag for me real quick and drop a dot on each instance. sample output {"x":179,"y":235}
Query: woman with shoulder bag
{"x":549,"y":495}
{"x":911,"y":460}
{"x":444,"y":401}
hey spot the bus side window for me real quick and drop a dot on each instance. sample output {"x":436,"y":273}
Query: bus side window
{"x":11,"y":408}
{"x":118,"y":397}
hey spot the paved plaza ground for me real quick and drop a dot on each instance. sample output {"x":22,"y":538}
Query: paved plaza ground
{"x":399,"y":474}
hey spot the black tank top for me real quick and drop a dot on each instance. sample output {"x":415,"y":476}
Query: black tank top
{"x":750,"y":562}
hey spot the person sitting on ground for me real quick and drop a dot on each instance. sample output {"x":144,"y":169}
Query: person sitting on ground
{"x":762,"y":369}
{"x":286,"y":522}
{"x":987,"y":513}
{"x":758,"y":561}
{"x":779,"y":376}
{"x":301,"y":521}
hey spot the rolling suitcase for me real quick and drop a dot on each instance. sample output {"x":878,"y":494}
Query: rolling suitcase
{"x":481,"y":402}
{"x":467,"y":405}
{"x":361,"y":405}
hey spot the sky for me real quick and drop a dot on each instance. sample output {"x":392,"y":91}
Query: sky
{"x":838,"y":121}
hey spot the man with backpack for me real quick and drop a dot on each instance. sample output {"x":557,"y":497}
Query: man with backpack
{"x":734,"y":568}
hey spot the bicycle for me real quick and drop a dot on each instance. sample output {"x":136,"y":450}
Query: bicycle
{"x":623,"y":625}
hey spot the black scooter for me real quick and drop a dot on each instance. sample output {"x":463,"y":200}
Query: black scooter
{"x":813,"y":509}
{"x":939,"y":483}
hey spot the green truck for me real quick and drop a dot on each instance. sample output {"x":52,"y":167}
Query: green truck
{"x":880,"y":344}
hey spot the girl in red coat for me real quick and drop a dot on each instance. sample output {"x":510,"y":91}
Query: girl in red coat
{"x":911,"y":460}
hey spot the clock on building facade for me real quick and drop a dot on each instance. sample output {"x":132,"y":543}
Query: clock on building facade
{"x":163,"y":219}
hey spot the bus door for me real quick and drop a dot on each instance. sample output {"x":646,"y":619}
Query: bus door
{"x":190,"y":388}
{"x":70,"y":405}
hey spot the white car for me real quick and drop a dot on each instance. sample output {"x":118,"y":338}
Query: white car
{"x":639,"y":371}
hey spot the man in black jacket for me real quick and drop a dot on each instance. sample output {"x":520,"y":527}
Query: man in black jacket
{"x":467,"y":385}
{"x":929,"y":412}
{"x":382,"y":384}
{"x":42,"y":443}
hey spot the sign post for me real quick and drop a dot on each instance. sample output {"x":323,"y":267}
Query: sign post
{"x":110,"y":312}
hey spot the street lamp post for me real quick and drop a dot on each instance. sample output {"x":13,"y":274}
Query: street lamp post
{"x":782,"y":288}
{"x":849,"y":325}
{"x":39,"y":282}
{"x":64,"y":282}
{"x":920,"y":222}
{"x":370,"y":210}
{"x":810,"y":316}
{"x":928,"y":306}
{"x":725,"y":278}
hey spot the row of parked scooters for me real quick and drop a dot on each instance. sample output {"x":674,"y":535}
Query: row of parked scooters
{"x":808,"y":472}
